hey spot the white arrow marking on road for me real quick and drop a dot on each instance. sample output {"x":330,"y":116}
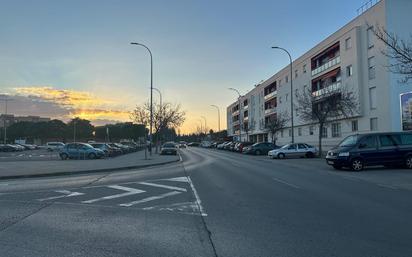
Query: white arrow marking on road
{"x":66,"y":193}
{"x":130,"y":191}
{"x":163,"y":186}
{"x":152,"y":198}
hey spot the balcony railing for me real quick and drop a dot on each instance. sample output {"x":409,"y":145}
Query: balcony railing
{"x":245,"y":107}
{"x":270,"y":111}
{"x":270,"y":95}
{"x":246,"y":118}
{"x":235,"y":113}
{"x":234,"y":123}
{"x":328,"y":90}
{"x":326,"y":66}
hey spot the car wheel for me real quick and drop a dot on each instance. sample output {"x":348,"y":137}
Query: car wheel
{"x":64,"y":156}
{"x":258,"y":152}
{"x":281,"y":156}
{"x":309,"y":155}
{"x":356,"y":164}
{"x":337,"y":167}
{"x":408,"y":162}
{"x":91,"y":156}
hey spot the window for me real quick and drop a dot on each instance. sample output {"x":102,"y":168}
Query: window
{"x":371,"y":67}
{"x":280,"y":82}
{"x":280,"y":99}
{"x":355,"y":125}
{"x":374,"y":124}
{"x":369,"y":37}
{"x":324,"y":132}
{"x":368,"y":142}
{"x":406,"y":139}
{"x":296,"y":73}
{"x":299,"y":131}
{"x":348,"y":43}
{"x":349,"y":71}
{"x":286,"y":97}
{"x":386,"y":140}
{"x":287,"y":79}
{"x":336,"y":130}
{"x":281,"y":133}
{"x":296,"y":92}
{"x":304,"y":68}
{"x":311,"y":130}
{"x":372,"y":98}
{"x":301,"y":146}
{"x":290,"y":132}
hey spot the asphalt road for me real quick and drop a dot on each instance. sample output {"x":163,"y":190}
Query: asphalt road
{"x":212,"y":204}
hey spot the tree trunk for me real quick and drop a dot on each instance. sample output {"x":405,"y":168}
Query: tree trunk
{"x":320,"y":139}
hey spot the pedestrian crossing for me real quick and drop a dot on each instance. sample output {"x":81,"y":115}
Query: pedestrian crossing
{"x":176,"y":194}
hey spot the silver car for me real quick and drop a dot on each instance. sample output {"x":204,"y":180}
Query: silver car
{"x":293,"y":150}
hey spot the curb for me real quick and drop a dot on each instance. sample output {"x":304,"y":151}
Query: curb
{"x":88,"y":171}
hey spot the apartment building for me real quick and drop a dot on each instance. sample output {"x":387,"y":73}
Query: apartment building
{"x":350,"y":59}
{"x":9,"y":119}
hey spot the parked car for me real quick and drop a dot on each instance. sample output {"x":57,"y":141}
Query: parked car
{"x":222,"y":145}
{"x":358,"y":151}
{"x":18,"y":147}
{"x":168,"y":148}
{"x":206,"y":144}
{"x":27,"y":146}
{"x":8,"y":148}
{"x":54,"y":146}
{"x":182,"y":144}
{"x":193,"y":144}
{"x":80,"y":151}
{"x":259,"y":148}
{"x":134,"y":147}
{"x":108,"y":151}
{"x":239,"y":147}
{"x":293,"y":150}
{"x":125,"y":148}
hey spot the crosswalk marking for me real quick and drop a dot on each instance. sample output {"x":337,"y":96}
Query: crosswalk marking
{"x":148,"y":199}
{"x":130,"y":191}
{"x":163,"y":186}
{"x":66,"y":193}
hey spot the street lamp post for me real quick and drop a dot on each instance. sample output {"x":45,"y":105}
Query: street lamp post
{"x":160,"y":121}
{"x":240,"y":120}
{"x":151,"y":94}
{"x":218,"y":115}
{"x":6,"y":100}
{"x":291,"y":89}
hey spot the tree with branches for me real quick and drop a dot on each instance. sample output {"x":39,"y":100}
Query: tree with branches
{"x":398,"y":50}
{"x":332,"y":104}
{"x":275,"y":124}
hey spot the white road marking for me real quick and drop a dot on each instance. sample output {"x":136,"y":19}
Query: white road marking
{"x":387,"y":186}
{"x":163,"y":186}
{"x":148,"y":199}
{"x":130,"y":191}
{"x":286,"y":183}
{"x":198,"y":201}
{"x":66,"y":193}
{"x":178,"y":179}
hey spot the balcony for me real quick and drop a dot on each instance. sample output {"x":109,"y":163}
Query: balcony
{"x":246,"y":118}
{"x":234,"y":123}
{"x":245,"y":107}
{"x":335,"y":87}
{"x":270,"y":111}
{"x":331,"y":63}
{"x":270,"y":95}
{"x":235,"y":113}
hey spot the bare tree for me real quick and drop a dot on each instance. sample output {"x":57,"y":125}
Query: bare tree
{"x":275,"y":124}
{"x":166,"y":116}
{"x":332,"y":104}
{"x":398,"y":50}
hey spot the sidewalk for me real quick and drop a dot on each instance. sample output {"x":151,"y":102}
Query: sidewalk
{"x":27,"y":169}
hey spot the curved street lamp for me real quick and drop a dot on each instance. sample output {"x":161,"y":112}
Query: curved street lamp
{"x":151,"y":93}
{"x":218,"y":115}
{"x":291,"y":89}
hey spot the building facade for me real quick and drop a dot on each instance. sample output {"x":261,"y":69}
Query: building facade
{"x":9,"y":119}
{"x":351,"y":59}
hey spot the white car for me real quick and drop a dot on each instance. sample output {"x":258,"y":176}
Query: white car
{"x":293,"y":150}
{"x":54,"y":146}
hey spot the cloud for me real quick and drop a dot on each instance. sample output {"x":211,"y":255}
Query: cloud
{"x":65,"y":104}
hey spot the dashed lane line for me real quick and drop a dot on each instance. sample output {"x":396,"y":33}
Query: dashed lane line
{"x":286,"y":183}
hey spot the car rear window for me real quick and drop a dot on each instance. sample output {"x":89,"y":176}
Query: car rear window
{"x":168,"y":145}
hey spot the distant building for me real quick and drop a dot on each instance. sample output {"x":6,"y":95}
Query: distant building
{"x":351,"y":57}
{"x":9,"y":119}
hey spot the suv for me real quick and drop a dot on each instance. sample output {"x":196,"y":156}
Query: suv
{"x":259,"y":148}
{"x":54,"y":146}
{"x":358,"y":151}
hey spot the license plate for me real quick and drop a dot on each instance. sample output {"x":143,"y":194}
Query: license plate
{"x":330,"y":162}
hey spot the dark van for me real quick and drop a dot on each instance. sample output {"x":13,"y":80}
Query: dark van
{"x":358,"y":151}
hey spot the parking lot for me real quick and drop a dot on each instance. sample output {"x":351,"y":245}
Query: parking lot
{"x":29,"y":155}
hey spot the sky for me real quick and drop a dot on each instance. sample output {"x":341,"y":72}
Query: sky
{"x":65,"y":59}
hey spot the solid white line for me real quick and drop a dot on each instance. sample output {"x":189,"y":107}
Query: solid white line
{"x":163,"y":186}
{"x":177,"y":179}
{"x":130,"y":191}
{"x":148,"y":199}
{"x":65,"y":192}
{"x":198,"y":201}
{"x":286,"y":183}
{"x":387,"y":186}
